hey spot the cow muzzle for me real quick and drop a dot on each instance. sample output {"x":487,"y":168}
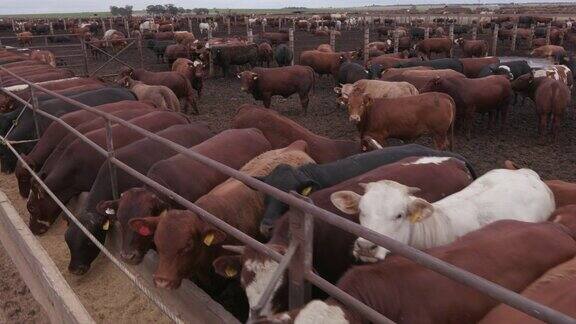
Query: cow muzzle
{"x":365,"y":250}
{"x":355,"y":119}
{"x":131,"y":257}
{"x":78,"y":270}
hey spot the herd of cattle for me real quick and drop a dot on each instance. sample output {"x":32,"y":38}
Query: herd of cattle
{"x":508,"y":225}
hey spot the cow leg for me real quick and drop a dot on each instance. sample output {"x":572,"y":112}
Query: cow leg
{"x":267,"y":98}
{"x":193,"y":104}
{"x":441,"y":141}
{"x":542,"y":121}
{"x":556,"y":119}
{"x":304,"y":101}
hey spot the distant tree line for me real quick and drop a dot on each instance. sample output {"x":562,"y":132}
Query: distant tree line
{"x":168,"y":9}
{"x":125,"y":11}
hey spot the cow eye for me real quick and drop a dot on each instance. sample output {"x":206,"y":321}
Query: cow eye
{"x":398,"y":216}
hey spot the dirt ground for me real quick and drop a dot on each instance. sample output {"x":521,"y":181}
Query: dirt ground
{"x":109,"y":297}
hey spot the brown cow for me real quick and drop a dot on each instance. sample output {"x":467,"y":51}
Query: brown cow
{"x":232,"y":201}
{"x":473,"y":48}
{"x":265,"y":54}
{"x":175,"y":81}
{"x":418,"y":77}
{"x":25,"y":38}
{"x":554,"y":289}
{"x":326,"y":48}
{"x":538,"y":42}
{"x":489,"y":94}
{"x":434,"y":45}
{"x":263,"y":83}
{"x":164,"y":35}
{"x":473,"y":66}
{"x":188,"y":178}
{"x":44,"y":56}
{"x":281,"y":131}
{"x":159,"y":96}
{"x":176,"y":51}
{"x":193,"y":71}
{"x":436,"y":181}
{"x":549,"y":51}
{"x":388,"y":61}
{"x":324,"y":63}
{"x":430,"y":113}
{"x":551,"y":97}
{"x":376,"y":89}
{"x":509,"y":253}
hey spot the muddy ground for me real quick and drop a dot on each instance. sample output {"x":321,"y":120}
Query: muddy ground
{"x":109,"y":297}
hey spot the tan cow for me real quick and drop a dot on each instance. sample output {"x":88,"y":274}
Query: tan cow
{"x":44,"y":56}
{"x":351,"y":94}
{"x":232,"y":201}
{"x":548,"y":51}
{"x":159,"y":96}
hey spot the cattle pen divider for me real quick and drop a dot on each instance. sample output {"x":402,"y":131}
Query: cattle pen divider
{"x":299,"y":259}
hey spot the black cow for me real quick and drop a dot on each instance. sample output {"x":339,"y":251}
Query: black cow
{"x":443,"y":63}
{"x":375,"y":71}
{"x":140,"y":155}
{"x":59,"y":39}
{"x":228,"y":55}
{"x":351,"y":72}
{"x":313,"y":177}
{"x":513,"y":69}
{"x":283,"y":55}
{"x":417,"y":33}
{"x":159,"y":47}
{"x":570,"y":62}
{"x":25,"y":128}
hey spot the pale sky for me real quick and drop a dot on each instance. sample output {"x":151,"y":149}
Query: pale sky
{"x":59,"y":6}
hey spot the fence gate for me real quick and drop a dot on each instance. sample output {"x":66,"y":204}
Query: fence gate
{"x":113,"y":57}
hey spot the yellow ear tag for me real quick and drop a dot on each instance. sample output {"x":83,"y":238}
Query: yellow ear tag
{"x":208,"y":239}
{"x":306,"y":191}
{"x":416,"y":216}
{"x":230,"y":272}
{"x":106,"y":225}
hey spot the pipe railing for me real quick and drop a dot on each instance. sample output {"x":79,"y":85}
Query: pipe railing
{"x":495,"y":291}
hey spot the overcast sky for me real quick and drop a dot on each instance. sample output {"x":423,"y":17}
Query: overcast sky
{"x":57,"y":6}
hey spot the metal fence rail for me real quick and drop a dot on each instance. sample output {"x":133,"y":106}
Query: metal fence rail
{"x":299,"y":262}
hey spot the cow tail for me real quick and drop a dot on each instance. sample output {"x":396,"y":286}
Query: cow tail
{"x":453,"y":105}
{"x":510,"y":165}
{"x":313,"y":87}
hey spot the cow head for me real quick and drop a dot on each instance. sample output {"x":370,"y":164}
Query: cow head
{"x":255,"y":271}
{"x":23,"y":176}
{"x":248,"y":80}
{"x":197,"y":69}
{"x":42,"y":208}
{"x":502,"y":70}
{"x":125,"y":72}
{"x":184,"y":242}
{"x":523,"y":82}
{"x":82,"y":250}
{"x":133,"y":203}
{"x":388,"y":208}
{"x":358,"y":105}
{"x":285,"y":178}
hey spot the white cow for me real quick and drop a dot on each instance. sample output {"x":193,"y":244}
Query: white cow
{"x":556,"y":72}
{"x":391,"y":209}
{"x":207,"y":25}
{"x":148,"y":25}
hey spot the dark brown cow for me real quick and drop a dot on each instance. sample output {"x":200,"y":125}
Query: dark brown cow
{"x":389,"y":61}
{"x":425,"y":114}
{"x":473,"y":48}
{"x":185,"y":176}
{"x":473,"y":66}
{"x":193,"y":71}
{"x":322,"y":62}
{"x":275,"y":38}
{"x":551,"y":97}
{"x":282,"y":131}
{"x":489,"y":94}
{"x":509,"y":253}
{"x":435,"y":181}
{"x":434,"y":45}
{"x":177,"y":82}
{"x":164,"y":35}
{"x":265,"y":54}
{"x":176,"y":51}
{"x":56,"y":74}
{"x":79,"y":165}
{"x":263,"y":83}
{"x":52,"y":137}
{"x":232,"y":201}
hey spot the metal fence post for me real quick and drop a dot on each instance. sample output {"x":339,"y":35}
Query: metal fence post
{"x":426,"y":32}
{"x":495,"y":40}
{"x":111,"y":166}
{"x":34,"y":111}
{"x":291,"y":43}
{"x":548,"y":27}
{"x":396,"y":41}
{"x":474,"y":32}
{"x":228,"y":25}
{"x":85,"y":56}
{"x":127,"y":27}
{"x":333,"y":40}
{"x":139,"y":46}
{"x":451,"y":36}
{"x":514,"y":37}
{"x":301,"y":232}
{"x":250,"y":36}
{"x":531,"y":37}
{"x":189,"y":24}
{"x":366,"y":42}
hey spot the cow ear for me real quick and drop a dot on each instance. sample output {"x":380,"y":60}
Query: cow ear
{"x":338,"y":90}
{"x":419,"y":209}
{"x":145,"y":226}
{"x":108,"y":208}
{"x":212,"y":236}
{"x":255,"y":77}
{"x":346,"y":201}
{"x":228,"y":266}
{"x":238,"y":76}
